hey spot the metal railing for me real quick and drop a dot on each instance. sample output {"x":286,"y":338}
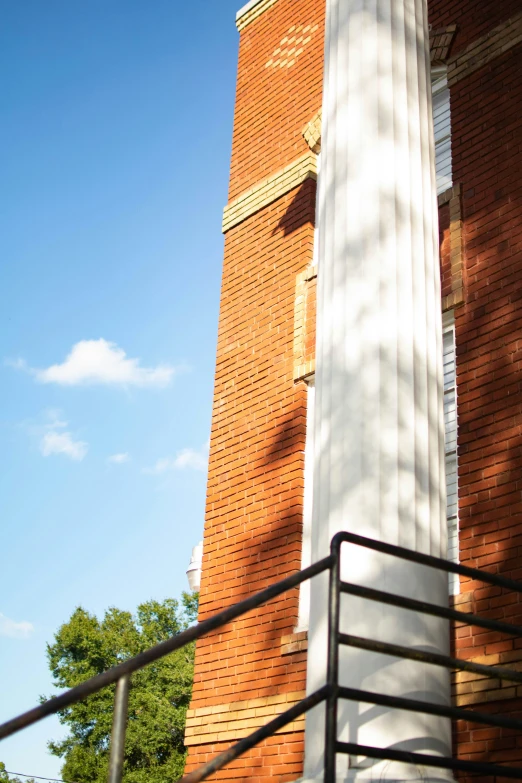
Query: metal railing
{"x":332,"y":691}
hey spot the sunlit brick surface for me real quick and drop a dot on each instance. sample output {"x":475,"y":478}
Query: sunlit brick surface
{"x":266,"y":347}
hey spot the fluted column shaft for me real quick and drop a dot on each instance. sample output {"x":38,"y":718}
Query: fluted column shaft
{"x":379,"y":430}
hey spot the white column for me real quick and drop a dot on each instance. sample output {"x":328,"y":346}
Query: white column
{"x":379,"y":467}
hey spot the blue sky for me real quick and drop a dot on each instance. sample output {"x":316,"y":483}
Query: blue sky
{"x":115,"y":135}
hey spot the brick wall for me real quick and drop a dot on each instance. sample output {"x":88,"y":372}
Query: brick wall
{"x":487,"y":160}
{"x":279,"y":89}
{"x":255,"y":486}
{"x":254,"y":668}
{"x":474,"y":18}
{"x":248,"y":672}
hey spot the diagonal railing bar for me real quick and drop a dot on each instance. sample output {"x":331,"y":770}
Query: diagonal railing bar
{"x":257,"y":736}
{"x":332,"y":691}
{"x":423,"y":607}
{"x":111,"y":676}
{"x":336,"y":638}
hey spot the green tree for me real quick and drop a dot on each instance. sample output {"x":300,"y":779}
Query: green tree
{"x":158,"y":699}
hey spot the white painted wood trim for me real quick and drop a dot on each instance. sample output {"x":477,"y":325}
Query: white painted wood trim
{"x":379,"y":425}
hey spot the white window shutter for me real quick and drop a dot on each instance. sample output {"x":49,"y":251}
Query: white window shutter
{"x":442,"y":127}
{"x":450,"y":443}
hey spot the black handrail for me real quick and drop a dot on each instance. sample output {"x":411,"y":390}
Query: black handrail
{"x":332,"y":691}
{"x":112,"y":675}
{"x":335,"y":638}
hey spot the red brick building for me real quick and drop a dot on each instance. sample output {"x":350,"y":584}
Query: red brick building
{"x":257,"y":527}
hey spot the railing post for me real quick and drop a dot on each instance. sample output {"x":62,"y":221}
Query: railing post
{"x":332,"y":672}
{"x":119,"y":727}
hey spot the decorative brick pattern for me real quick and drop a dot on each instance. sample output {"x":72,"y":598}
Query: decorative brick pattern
{"x":312,"y":132}
{"x":274,"y":104}
{"x":292,"y":45}
{"x":484,"y":49}
{"x":454,"y":267}
{"x":270,"y":189}
{"x":253,"y":13}
{"x":304,"y":323}
{"x":440,"y":43}
{"x":232,"y":721}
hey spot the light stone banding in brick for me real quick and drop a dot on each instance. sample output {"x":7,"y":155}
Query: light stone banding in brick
{"x":251,"y":11}
{"x":453,"y":197}
{"x":484,"y":49}
{"x":269,"y":190}
{"x":304,"y":365}
{"x":294,"y":643}
{"x":471,"y":688}
{"x":224,"y":722}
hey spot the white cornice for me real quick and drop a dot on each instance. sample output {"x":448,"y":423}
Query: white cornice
{"x":246,"y":8}
{"x":251,"y":11}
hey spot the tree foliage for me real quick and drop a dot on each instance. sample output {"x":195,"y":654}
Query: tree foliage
{"x":158,"y":699}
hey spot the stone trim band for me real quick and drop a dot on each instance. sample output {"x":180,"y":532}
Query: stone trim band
{"x":225,"y":722}
{"x":496,"y":42}
{"x":453,"y":197}
{"x":304,"y":323}
{"x":268,"y":190}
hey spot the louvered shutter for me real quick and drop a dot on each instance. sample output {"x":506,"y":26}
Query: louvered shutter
{"x":450,"y":443}
{"x":442,"y":126}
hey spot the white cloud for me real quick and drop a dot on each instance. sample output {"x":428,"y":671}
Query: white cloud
{"x":54,"y":419}
{"x":17,"y":364}
{"x":93,"y":362}
{"x":15,"y":630}
{"x":118,"y":459}
{"x":186,"y":458}
{"x":62,"y":443}
{"x":160,"y":466}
